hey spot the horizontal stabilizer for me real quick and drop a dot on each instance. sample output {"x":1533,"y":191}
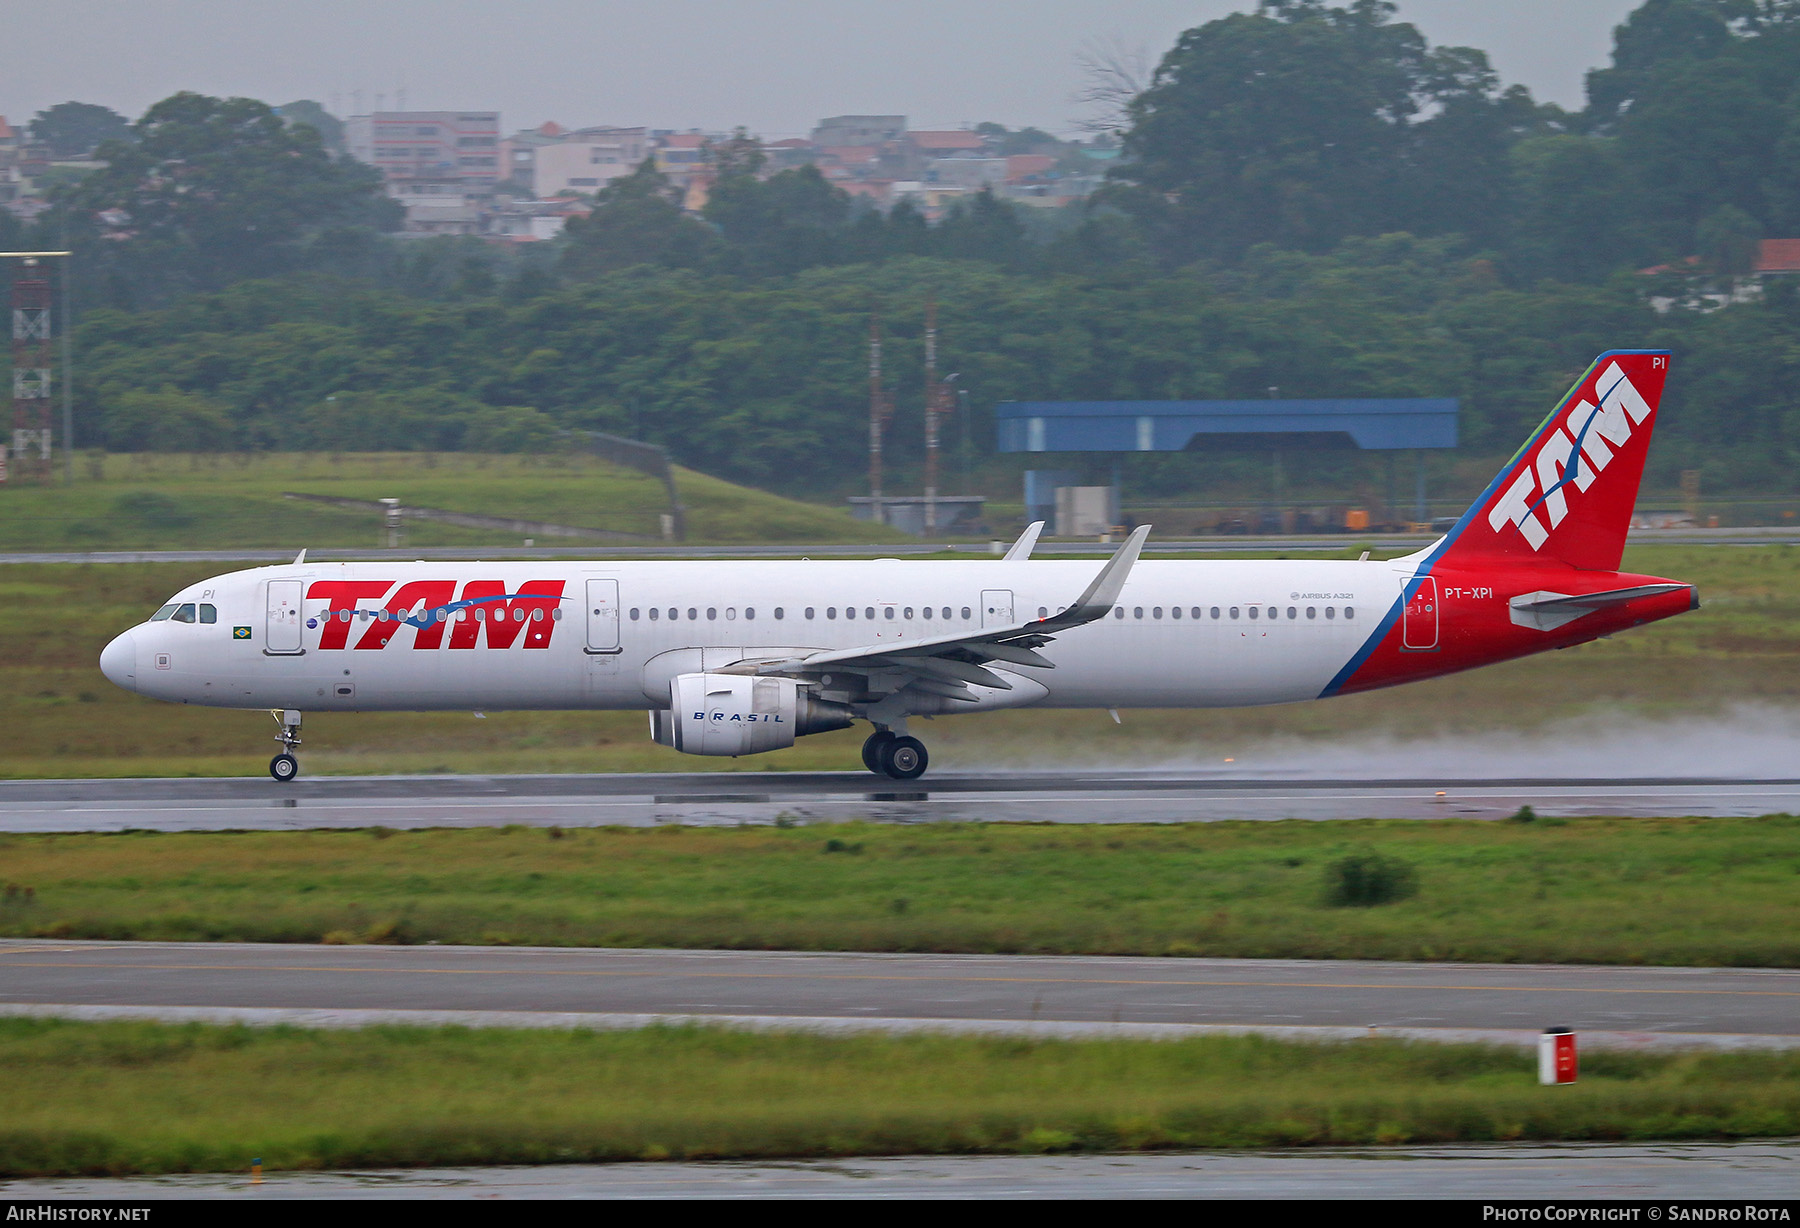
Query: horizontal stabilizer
{"x":1548,"y":611}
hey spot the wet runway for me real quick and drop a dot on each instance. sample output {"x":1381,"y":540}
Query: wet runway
{"x":724,"y":798}
{"x":1057,"y":995}
{"x":1570,"y":1171}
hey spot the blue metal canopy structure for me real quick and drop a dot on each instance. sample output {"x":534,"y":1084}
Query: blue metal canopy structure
{"x":1172,"y":426}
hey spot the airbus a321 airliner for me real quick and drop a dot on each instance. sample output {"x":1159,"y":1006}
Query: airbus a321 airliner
{"x":736,"y":658}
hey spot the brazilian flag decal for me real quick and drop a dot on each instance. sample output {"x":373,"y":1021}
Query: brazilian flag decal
{"x":240,"y":633}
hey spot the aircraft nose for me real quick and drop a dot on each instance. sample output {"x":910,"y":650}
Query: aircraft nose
{"x":118,"y":661}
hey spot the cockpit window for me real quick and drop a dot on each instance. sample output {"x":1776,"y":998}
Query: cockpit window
{"x":163,"y":614}
{"x":184,"y":613}
{"x":209,"y":614}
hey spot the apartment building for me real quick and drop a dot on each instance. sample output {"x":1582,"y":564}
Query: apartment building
{"x":446,"y":151}
{"x":584,"y":160}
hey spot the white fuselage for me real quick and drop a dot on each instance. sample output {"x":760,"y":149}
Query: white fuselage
{"x":310,"y":636}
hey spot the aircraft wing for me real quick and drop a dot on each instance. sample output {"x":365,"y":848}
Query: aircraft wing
{"x":948,"y":664}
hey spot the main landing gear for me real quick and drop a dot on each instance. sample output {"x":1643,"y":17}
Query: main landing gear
{"x":889,"y":754}
{"x":284,"y":767}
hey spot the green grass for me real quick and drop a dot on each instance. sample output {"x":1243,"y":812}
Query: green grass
{"x":216,"y":501}
{"x":78,"y":1096}
{"x":60,"y":717}
{"x":1617,"y":891}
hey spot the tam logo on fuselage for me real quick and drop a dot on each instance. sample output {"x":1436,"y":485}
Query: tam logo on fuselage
{"x":484,"y":613}
{"x":1574,"y":452}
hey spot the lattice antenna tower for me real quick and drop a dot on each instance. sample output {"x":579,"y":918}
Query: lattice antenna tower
{"x":28,"y":445}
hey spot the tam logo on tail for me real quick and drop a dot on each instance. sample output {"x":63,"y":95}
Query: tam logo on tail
{"x":1569,"y":493}
{"x":1574,"y":452}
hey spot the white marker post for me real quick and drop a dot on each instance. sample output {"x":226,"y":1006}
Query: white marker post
{"x":1556,"y":1056}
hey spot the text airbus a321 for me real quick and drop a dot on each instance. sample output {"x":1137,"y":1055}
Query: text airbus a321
{"x":736,"y":658}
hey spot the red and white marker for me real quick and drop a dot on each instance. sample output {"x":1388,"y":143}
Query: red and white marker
{"x":1556,"y":1056}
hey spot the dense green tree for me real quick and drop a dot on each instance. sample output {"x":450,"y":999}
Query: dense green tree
{"x":790,"y":221}
{"x":329,"y":127}
{"x":636,"y":220}
{"x":1301,"y":124}
{"x":76,"y":129}
{"x":212,"y":190}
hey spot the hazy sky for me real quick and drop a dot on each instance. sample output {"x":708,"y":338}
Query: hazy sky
{"x":775,"y":66}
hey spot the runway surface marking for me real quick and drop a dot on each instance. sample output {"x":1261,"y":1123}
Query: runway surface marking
{"x":323,"y":969}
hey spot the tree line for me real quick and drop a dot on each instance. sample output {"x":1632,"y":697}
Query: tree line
{"x":1310,"y":197}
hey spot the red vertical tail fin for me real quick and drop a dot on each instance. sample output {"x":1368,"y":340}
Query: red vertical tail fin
{"x":1569,"y":492}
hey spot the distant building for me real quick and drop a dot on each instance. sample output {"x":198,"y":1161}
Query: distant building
{"x":948,"y":144}
{"x":680,"y":155}
{"x":518,"y":152}
{"x":584,"y":160}
{"x":967,"y":172}
{"x":1774,"y":258}
{"x":859,"y":130}
{"x":461,"y":147}
{"x":1022,"y":167}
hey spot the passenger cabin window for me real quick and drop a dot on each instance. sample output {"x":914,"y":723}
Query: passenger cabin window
{"x":869,"y":612}
{"x":849,"y":611}
{"x":1174,"y":611}
{"x":1255,"y":612}
{"x":1215,"y":612}
{"x":184,"y":613}
{"x":711,"y":613}
{"x":1043,"y":612}
{"x":966,"y":614}
{"x":164,"y":614}
{"x":909,"y":613}
{"x":1330,"y":611}
{"x":889,"y":610}
{"x":1312,"y":611}
{"x":947,"y":613}
{"x":1118,"y":611}
{"x":634,"y":613}
{"x":780,"y":613}
{"x":693,"y":614}
{"x":1293,"y":613}
{"x":830,"y":611}
{"x":1234,"y":611}
{"x":1349,"y":611}
{"x":809,"y":611}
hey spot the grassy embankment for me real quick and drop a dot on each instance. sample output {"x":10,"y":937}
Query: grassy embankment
{"x":77,"y":1096}
{"x":1653,"y":891}
{"x":59,"y":717}
{"x":147,"y":501}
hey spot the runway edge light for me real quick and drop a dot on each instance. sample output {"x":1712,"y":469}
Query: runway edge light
{"x":1556,"y":1056}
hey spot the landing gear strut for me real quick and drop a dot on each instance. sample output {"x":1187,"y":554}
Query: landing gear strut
{"x":888,"y":754}
{"x":284,"y":767}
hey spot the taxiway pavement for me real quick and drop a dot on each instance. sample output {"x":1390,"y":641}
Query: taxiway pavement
{"x":1529,"y":1171}
{"x":1053,"y":995}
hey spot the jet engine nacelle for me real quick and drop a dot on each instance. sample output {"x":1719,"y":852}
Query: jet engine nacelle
{"x":733,"y":714}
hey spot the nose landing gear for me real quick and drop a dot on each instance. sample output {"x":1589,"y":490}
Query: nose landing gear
{"x":889,"y":754}
{"x":284,"y":767}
